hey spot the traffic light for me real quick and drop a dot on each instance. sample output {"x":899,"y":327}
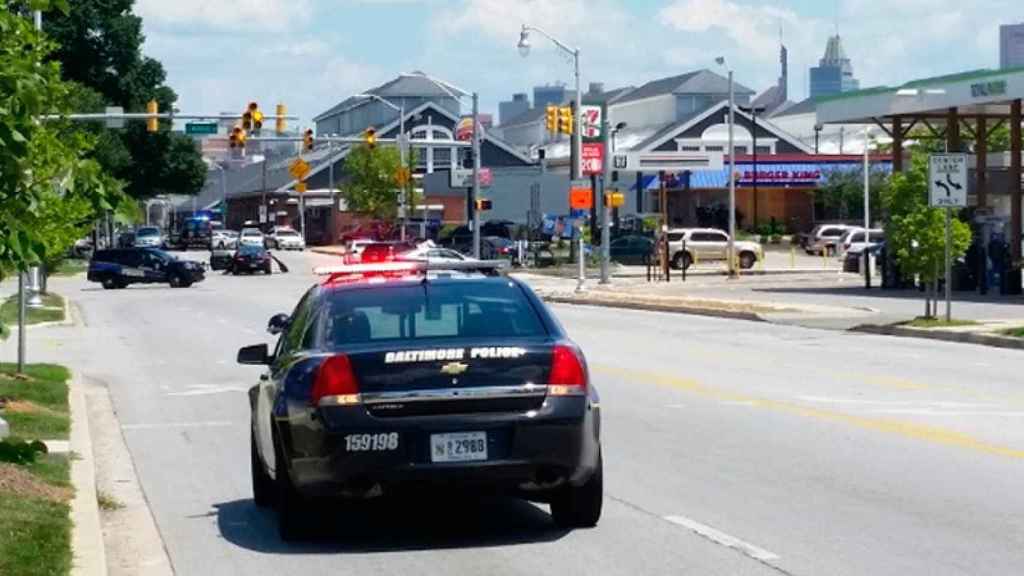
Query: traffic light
{"x":565,"y":120}
{"x":247,"y":120}
{"x":551,"y":119}
{"x":237,"y":138}
{"x":483,"y":204}
{"x":614,"y":199}
{"x":307,"y":140}
{"x":256,"y":115}
{"x":281,"y":111}
{"x":370,"y":136}
{"x":152,"y":123}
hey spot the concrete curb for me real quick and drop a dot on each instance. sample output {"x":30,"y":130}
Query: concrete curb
{"x":993,"y":340}
{"x":654,"y":307}
{"x":90,"y":557}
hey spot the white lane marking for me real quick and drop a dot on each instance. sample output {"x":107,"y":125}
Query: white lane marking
{"x":203,"y":390}
{"x":858,"y":401}
{"x":676,"y":406}
{"x":159,"y":425}
{"x":931,"y":412}
{"x":722,"y":538}
{"x":736,"y":403}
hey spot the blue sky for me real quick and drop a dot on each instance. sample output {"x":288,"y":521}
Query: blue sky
{"x":311,"y":54}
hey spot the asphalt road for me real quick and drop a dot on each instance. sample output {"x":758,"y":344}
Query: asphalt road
{"x":730,"y":447}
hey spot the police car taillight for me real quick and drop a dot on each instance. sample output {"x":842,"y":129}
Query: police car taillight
{"x":568,"y":377}
{"x":336,"y":383}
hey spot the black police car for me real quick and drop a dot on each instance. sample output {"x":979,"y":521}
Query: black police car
{"x":124,"y":266}
{"x":249,"y":258}
{"x":411,"y":374}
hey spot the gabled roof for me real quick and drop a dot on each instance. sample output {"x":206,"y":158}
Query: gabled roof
{"x":698,"y":82}
{"x":807,"y":106}
{"x":413,"y":84}
{"x":673,"y":130}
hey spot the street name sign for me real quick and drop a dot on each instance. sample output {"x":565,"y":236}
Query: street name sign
{"x":463,"y":178}
{"x":667,"y":161}
{"x":947,"y":180}
{"x":201,"y":128}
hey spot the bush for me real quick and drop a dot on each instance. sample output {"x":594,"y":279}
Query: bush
{"x":18,"y":451}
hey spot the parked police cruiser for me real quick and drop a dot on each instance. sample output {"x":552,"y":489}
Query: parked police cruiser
{"x":122,"y":267}
{"x":401,"y":374}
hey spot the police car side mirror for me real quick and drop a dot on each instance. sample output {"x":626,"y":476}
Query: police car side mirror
{"x":258,"y":355}
{"x":278,"y":323}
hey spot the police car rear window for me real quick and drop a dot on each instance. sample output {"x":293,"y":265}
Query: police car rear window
{"x":425,"y":311}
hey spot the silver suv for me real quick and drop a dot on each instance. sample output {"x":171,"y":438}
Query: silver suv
{"x":824,"y":238}
{"x":704,"y":244}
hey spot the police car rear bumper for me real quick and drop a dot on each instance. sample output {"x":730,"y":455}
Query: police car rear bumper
{"x":529,"y":453}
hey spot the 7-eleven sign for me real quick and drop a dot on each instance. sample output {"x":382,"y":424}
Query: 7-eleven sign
{"x":591,"y":121}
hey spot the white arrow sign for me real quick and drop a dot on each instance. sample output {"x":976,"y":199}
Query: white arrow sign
{"x":947,"y":180}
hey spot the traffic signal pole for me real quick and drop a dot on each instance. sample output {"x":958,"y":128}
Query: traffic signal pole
{"x":476,"y":175}
{"x":605,"y":208}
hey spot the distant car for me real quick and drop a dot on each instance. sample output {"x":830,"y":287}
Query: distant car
{"x":854,"y":238}
{"x":285,"y":238}
{"x":251,"y":237}
{"x":689,"y":245}
{"x":149,"y":237}
{"x":853,"y":258}
{"x":433,"y":254}
{"x":384,"y":251}
{"x":224,"y":240}
{"x":632,"y":249}
{"x":355,"y":247}
{"x":122,"y":267}
{"x":824,"y":237}
{"x":250,"y":258}
{"x":126,"y":239}
{"x":194,"y":232}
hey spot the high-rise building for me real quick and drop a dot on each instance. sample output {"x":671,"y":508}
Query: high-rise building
{"x":834,"y":73}
{"x":1011,"y":45}
{"x":517,"y":106}
{"x":551,"y":94}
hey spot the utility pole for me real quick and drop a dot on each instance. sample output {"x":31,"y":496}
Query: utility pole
{"x":605,"y":210}
{"x":476,"y":175}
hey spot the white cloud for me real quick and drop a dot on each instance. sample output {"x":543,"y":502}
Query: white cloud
{"x":234,"y":15}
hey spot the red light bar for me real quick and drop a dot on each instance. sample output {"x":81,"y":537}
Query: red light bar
{"x":397,"y":269}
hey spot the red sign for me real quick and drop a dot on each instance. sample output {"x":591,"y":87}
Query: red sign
{"x":581,"y":198}
{"x":782,"y":176}
{"x":592,"y":158}
{"x":486,"y":177}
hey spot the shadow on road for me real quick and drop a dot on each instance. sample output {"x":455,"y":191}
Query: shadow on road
{"x":390,"y":525}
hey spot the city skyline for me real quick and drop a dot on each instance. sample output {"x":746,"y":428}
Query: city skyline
{"x":324,"y":51}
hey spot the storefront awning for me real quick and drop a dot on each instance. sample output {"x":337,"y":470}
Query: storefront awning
{"x":781,"y":175}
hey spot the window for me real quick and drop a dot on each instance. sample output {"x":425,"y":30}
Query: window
{"x":714,"y":148}
{"x":676,"y":236}
{"x":471,"y":309}
{"x":740,"y":149}
{"x":877,"y":236}
{"x":295,"y":337}
{"x":689,"y":148}
{"x":764,"y":149}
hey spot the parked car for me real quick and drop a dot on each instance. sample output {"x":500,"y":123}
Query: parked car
{"x":224,"y":240}
{"x":854,"y":238}
{"x":149,"y":237}
{"x":631,"y":249}
{"x":285,"y":238}
{"x":430,"y":253}
{"x":354,"y":248}
{"x":689,"y":245}
{"x":122,"y":267}
{"x":824,"y":237}
{"x":250,"y":258}
{"x":853,"y":258}
{"x":384,"y":251}
{"x":251,"y":237}
{"x":194,"y":232}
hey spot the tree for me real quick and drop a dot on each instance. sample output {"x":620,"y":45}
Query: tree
{"x":916,"y":233}
{"x":842,"y":194}
{"x":44,"y":171}
{"x":372,"y":188}
{"x":100,"y":47}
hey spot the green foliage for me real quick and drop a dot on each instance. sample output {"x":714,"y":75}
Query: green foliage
{"x":100,"y":48}
{"x":18,"y":451}
{"x":35,"y":536}
{"x":842,"y":193}
{"x":372,"y":188}
{"x":916,"y":233}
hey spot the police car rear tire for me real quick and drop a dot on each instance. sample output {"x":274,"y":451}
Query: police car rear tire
{"x":580,"y":506}
{"x":110,"y":283}
{"x":262,"y":483}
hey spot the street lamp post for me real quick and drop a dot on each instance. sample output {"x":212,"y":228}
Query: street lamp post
{"x":401,"y":151}
{"x":867,"y":209}
{"x":732,"y":172}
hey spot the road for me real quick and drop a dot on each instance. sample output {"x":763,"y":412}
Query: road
{"x":730,"y":447}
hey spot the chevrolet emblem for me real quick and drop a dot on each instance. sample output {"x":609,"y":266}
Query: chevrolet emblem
{"x":454,"y":368}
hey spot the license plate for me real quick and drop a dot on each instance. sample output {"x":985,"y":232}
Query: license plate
{"x":458,"y":447}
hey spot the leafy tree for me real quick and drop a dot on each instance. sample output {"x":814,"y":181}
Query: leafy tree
{"x":372,"y":188}
{"x":842,"y":193}
{"x":44,"y":174}
{"x":100,"y":47}
{"x":915,"y":232}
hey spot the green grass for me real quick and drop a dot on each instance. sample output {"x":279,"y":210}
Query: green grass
{"x":53,"y":313}
{"x":71,"y":267}
{"x":47,"y":388}
{"x":922,"y":322}
{"x":1015,"y":332}
{"x":35,"y":533}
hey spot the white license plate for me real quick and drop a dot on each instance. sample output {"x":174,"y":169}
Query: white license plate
{"x":458,"y":447}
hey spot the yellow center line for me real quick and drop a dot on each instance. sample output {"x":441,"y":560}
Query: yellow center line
{"x":905,"y":429}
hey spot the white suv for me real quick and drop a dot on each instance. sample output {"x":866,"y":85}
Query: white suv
{"x":824,"y":238}
{"x":285,"y":238}
{"x":703,"y":244}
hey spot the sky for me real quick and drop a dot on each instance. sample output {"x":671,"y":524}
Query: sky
{"x":311,"y":54}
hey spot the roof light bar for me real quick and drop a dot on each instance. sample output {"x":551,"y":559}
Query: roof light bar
{"x":410,"y":266}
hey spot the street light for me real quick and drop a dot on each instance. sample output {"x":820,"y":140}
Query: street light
{"x":401,"y":148}
{"x":732,"y":171}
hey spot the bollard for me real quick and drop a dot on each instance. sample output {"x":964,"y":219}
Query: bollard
{"x":792,"y":257}
{"x":34,"y":288}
